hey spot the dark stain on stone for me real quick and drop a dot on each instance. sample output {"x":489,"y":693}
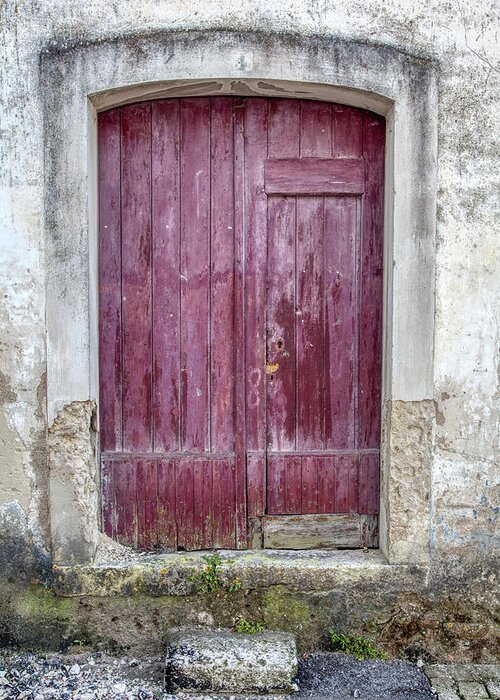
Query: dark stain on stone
{"x":21,"y":560}
{"x":39,"y":463}
{"x":7,"y":393}
{"x":41,"y":396}
{"x":440,"y":418}
{"x":225,"y":37}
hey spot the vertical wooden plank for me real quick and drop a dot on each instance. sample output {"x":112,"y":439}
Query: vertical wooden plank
{"x":370,"y":326}
{"x":369,"y":483}
{"x":284,"y":132}
{"x":110,"y":302}
{"x":347,"y":131}
{"x":342,"y":475}
{"x":341,"y":223}
{"x":310,"y":327}
{"x":136,"y":276}
{"x":256,"y":487}
{"x":202,"y":508}
{"x":222,"y":277}
{"x":126,"y":510}
{"x":232,"y":527}
{"x":255,"y":271}
{"x":147,"y":502}
{"x":293,"y":485}
{"x":346,"y":484}
{"x":283,"y":128}
{"x":354,"y":485}
{"x":255,"y":144}
{"x":315,"y":130}
{"x":207,"y":525}
{"x":276,"y":484}
{"x":184,"y":503}
{"x":166,"y":517}
{"x":326,"y":485}
{"x":223,"y":504}
{"x":217,"y":503}
{"x":281,"y":313}
{"x":309,"y":484}
{"x":141,"y":487}
{"x":108,"y":491}
{"x":166,"y":282}
{"x":240,"y":329}
{"x":195,"y":235}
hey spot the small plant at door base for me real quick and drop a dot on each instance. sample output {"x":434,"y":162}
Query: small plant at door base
{"x":235,"y":585}
{"x":245,"y":627}
{"x":210,"y":581}
{"x":356,"y":646}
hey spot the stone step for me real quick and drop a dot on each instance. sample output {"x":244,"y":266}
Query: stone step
{"x":219,"y":660}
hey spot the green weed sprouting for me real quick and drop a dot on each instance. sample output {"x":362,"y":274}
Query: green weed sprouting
{"x":245,"y":627}
{"x":356,"y":646}
{"x":209,"y":579}
{"x":235,"y":585}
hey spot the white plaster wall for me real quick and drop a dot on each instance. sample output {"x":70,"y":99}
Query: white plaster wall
{"x":463,"y":38}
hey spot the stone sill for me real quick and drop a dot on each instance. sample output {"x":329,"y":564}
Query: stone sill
{"x":171,"y":574}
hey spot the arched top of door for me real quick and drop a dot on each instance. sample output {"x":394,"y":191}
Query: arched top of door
{"x":238,"y":87}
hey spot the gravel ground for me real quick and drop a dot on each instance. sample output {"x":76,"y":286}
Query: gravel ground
{"x":96,"y":676}
{"x":340,"y":677}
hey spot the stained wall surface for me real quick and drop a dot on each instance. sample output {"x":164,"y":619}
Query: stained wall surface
{"x":460,"y":497}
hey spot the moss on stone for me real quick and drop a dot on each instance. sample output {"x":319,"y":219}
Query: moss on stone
{"x":39,"y":603}
{"x":35,"y":618}
{"x":292,"y":612}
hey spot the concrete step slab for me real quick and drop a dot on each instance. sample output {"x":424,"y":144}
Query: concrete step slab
{"x":223,"y":661}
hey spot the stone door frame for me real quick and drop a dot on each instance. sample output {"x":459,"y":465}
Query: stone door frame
{"x":81,"y":79}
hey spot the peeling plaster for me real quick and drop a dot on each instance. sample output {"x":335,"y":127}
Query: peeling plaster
{"x":73,"y":483}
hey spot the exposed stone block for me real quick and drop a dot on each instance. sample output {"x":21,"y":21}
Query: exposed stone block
{"x":493,"y":688}
{"x":223,"y":661}
{"x":438,"y":672}
{"x":445,"y":688}
{"x":474,"y":672}
{"x":448,"y":695}
{"x":471,"y":690}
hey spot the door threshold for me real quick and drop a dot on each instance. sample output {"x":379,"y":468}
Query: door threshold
{"x":172,"y":574}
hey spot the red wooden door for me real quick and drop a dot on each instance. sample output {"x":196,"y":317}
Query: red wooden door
{"x":240,"y":321}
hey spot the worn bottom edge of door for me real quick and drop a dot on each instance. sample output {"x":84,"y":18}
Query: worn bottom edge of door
{"x":313,"y":531}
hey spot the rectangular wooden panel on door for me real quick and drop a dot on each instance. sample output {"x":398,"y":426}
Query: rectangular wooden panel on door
{"x":315,"y":176}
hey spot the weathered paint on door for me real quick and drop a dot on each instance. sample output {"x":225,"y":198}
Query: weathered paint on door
{"x":240,"y":319}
